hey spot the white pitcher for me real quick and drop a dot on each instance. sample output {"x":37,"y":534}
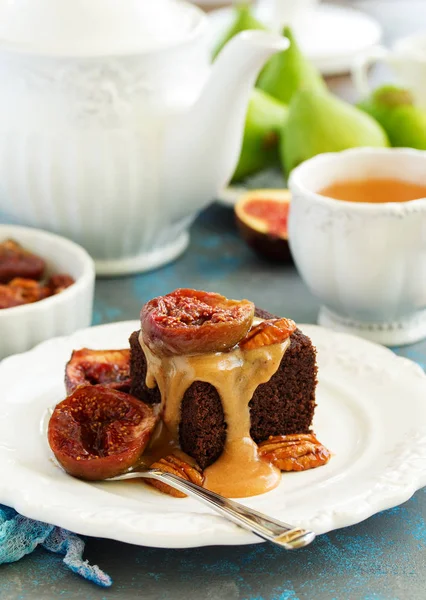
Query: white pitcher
{"x":114,"y":130}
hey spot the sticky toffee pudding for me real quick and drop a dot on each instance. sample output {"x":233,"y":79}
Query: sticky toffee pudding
{"x":233,"y":389}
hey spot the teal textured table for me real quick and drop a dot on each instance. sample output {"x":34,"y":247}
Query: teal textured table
{"x":383,"y":558}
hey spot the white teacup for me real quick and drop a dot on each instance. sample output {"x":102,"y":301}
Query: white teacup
{"x":365,"y":262}
{"x":407,"y":59}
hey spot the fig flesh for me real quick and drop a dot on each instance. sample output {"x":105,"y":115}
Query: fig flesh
{"x":261,"y":217}
{"x":15,"y":261}
{"x":190,"y":321}
{"x":98,"y":432}
{"x":110,"y":368}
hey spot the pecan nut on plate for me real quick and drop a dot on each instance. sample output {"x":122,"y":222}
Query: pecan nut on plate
{"x":176,"y":466}
{"x":295,"y":452}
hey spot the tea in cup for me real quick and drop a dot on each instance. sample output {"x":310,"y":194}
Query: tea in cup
{"x":407,"y":59}
{"x":357,"y":232}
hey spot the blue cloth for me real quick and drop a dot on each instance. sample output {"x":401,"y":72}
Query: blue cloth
{"x":20,"y":536}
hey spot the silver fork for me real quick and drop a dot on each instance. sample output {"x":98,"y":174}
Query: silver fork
{"x":284,"y":535}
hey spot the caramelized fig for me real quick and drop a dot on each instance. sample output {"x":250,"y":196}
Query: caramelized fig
{"x":15,"y":261}
{"x":110,"y":368}
{"x":190,"y":321}
{"x":98,"y":432}
{"x":273,"y":331}
{"x":261,"y":217}
{"x":58,"y":283}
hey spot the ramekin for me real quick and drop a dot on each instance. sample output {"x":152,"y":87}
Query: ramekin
{"x":22,"y":327}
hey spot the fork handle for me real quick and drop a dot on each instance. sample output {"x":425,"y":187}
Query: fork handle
{"x":269,"y":529}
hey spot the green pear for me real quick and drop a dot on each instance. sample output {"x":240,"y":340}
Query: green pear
{"x":319,"y":122}
{"x":393,"y":107}
{"x":264,"y":123}
{"x":289,"y":71}
{"x":243,"y":21}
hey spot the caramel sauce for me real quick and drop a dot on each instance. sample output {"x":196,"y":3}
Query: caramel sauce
{"x":236,"y":374}
{"x":375,"y":190}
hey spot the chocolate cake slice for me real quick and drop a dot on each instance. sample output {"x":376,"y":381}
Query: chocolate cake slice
{"x":283,"y":405}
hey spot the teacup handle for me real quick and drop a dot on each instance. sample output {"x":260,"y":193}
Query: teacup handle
{"x":361,"y":65}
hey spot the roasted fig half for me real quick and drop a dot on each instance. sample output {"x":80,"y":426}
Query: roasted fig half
{"x":15,"y":261}
{"x":60,"y":282}
{"x":191,"y":321}
{"x":110,"y":368}
{"x":261,"y":217}
{"x":98,"y":432}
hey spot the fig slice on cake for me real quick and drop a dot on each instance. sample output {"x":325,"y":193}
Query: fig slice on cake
{"x":262,"y":219}
{"x":99,"y":432}
{"x":189,"y":321}
{"x":93,"y":367}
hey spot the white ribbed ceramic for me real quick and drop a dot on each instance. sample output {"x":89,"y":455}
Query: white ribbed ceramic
{"x":22,"y":327}
{"x":117,"y":135}
{"x":365,"y":262}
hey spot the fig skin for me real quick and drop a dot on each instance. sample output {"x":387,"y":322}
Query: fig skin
{"x":190,"y":321}
{"x":254,"y":232}
{"x":15,"y":261}
{"x":110,"y":368}
{"x":98,"y":432}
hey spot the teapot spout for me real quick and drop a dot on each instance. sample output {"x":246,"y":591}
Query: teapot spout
{"x":221,"y":109}
{"x":215,"y":126}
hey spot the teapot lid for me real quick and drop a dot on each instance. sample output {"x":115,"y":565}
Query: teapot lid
{"x":96,"y":27}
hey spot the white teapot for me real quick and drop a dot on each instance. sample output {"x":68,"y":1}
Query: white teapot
{"x":114,"y":129}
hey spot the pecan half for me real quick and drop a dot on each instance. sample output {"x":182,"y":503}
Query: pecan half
{"x":295,"y":452}
{"x":272,"y":331}
{"x":176,"y":466}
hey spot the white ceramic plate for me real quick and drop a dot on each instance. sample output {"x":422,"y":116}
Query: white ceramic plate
{"x":371,"y":413}
{"x":331,"y":36}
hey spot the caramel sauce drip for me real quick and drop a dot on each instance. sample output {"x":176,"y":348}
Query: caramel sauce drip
{"x":236,"y":374}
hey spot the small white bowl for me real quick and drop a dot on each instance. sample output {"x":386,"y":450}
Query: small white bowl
{"x":22,"y":327}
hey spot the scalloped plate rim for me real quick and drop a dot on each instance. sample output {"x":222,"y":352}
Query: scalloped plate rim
{"x":209,"y":529}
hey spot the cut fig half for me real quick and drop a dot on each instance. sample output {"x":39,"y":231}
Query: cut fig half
{"x":99,"y":432}
{"x":262,"y":219}
{"x":190,"y":321}
{"x":93,"y":367}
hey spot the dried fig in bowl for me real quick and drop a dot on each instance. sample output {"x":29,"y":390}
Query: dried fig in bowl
{"x":190,"y":321}
{"x":98,"y":432}
{"x":15,"y":261}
